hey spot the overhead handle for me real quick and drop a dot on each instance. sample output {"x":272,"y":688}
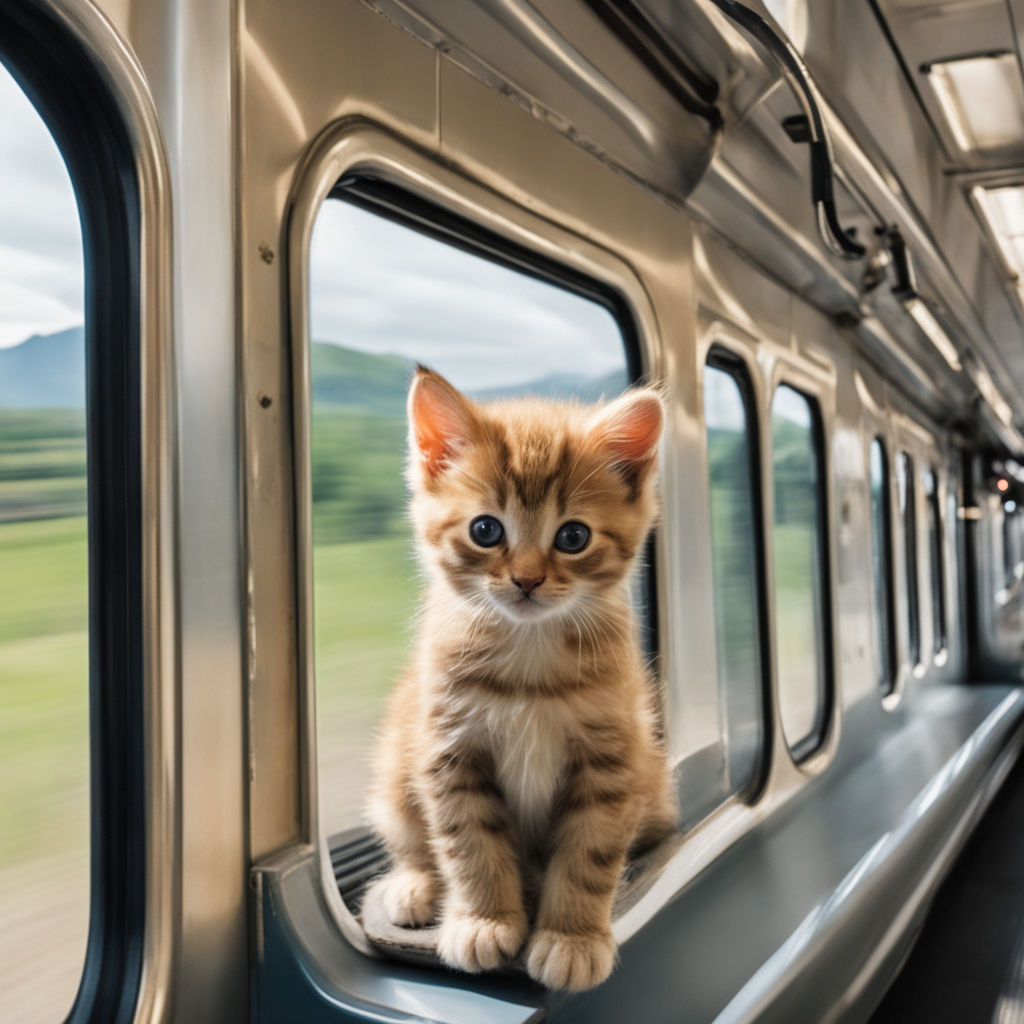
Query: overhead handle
{"x":838,"y":241}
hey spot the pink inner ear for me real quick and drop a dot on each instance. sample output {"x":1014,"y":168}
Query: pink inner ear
{"x":441,"y":420}
{"x":632,"y":431}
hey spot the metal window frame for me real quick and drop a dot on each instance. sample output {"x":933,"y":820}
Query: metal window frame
{"x":92,"y":94}
{"x":804,"y":749}
{"x":354,"y":149}
{"x":721,"y":357}
{"x":908,"y":524}
{"x":888,"y":656}
{"x":940,"y":625}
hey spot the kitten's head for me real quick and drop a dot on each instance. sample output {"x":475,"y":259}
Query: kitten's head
{"x":526,"y":507}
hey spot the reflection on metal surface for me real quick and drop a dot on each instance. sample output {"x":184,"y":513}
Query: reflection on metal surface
{"x":526,"y":23}
{"x":982,"y":100}
{"x":951,"y":795}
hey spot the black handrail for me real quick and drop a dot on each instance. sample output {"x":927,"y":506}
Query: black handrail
{"x":792,"y":66}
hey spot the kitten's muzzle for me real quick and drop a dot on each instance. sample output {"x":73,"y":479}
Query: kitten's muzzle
{"x":528,"y":584}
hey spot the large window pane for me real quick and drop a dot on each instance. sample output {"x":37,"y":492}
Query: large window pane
{"x":383,"y":297}
{"x":732,"y":488}
{"x":908,"y":514}
{"x":44,"y":662}
{"x":935,"y":561}
{"x":799,"y":554}
{"x":881,"y":562}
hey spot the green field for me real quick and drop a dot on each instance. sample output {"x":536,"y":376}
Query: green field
{"x":365,"y":598}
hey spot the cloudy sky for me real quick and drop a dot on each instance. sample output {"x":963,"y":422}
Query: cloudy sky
{"x":40,"y":240}
{"x":377,"y":286}
{"x":374,"y":285}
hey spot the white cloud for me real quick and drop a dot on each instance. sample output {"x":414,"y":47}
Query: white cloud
{"x":40,"y":235}
{"x":381,"y":287}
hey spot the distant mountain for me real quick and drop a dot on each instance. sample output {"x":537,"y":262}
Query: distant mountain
{"x":562,"y":385}
{"x":47,"y":371}
{"x":349,"y":378}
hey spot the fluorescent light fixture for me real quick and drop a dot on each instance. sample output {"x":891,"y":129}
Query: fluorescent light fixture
{"x":933,"y":331}
{"x":991,"y":395}
{"x":982,"y":100}
{"x":1003,"y":210}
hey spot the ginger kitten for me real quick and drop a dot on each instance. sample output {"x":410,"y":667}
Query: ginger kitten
{"x":518,"y":762}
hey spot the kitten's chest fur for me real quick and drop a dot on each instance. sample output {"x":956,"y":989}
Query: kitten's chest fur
{"x":528,"y":739}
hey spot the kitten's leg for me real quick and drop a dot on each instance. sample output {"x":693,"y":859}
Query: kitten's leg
{"x":661,"y":815}
{"x":483,"y":921}
{"x":572,"y":946}
{"x":412,"y":889}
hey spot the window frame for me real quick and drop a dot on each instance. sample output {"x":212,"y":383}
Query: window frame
{"x":86,"y":86}
{"x":816,"y":742}
{"x":911,"y":561}
{"x":721,"y":357}
{"x":937,"y":570}
{"x":349,"y":150}
{"x":888,"y":658}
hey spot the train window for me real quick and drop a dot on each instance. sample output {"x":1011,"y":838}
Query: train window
{"x":881,"y":559}
{"x":1013,"y":568}
{"x":800,"y":569}
{"x":44,"y":615}
{"x":935,"y":560}
{"x":733,"y":488}
{"x":905,"y":493}
{"x":384,"y":296}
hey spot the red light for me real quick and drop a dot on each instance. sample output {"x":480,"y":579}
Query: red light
{"x":1002,"y":484}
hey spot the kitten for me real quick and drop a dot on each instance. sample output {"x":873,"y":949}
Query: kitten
{"x":519,"y":750}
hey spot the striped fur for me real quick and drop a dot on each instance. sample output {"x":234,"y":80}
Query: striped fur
{"x":518,"y":761}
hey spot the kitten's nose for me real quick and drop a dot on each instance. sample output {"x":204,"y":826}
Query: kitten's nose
{"x":528,"y":584}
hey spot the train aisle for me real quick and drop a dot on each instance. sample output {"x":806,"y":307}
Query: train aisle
{"x":968,"y":964}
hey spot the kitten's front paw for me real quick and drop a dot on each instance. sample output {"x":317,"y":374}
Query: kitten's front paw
{"x":410,"y":897}
{"x":480,"y":943}
{"x":570,"y":962}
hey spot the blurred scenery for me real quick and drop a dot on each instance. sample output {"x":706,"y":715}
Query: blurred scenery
{"x":44,"y":657}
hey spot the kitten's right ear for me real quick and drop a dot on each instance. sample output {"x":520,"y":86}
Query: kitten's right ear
{"x":441,"y":420}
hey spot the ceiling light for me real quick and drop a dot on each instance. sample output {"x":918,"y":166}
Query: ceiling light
{"x":982,"y":99}
{"x":924,"y":319}
{"x":1003,"y":211}
{"x":991,"y":395}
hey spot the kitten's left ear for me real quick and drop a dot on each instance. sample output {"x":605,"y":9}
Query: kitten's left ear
{"x":441,"y":420}
{"x":629,"y":430}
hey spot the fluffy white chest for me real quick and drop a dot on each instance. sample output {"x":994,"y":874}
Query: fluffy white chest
{"x":529,"y":742}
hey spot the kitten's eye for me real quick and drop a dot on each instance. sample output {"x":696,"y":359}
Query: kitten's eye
{"x":486,"y":531}
{"x":572,"y":537}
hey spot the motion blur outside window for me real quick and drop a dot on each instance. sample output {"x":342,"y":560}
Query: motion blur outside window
{"x":382,"y":298}
{"x":908,"y":514}
{"x":44,"y":624}
{"x":800,"y":564}
{"x":735,"y":557}
{"x":881,"y":564}
{"x":935,"y":560}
